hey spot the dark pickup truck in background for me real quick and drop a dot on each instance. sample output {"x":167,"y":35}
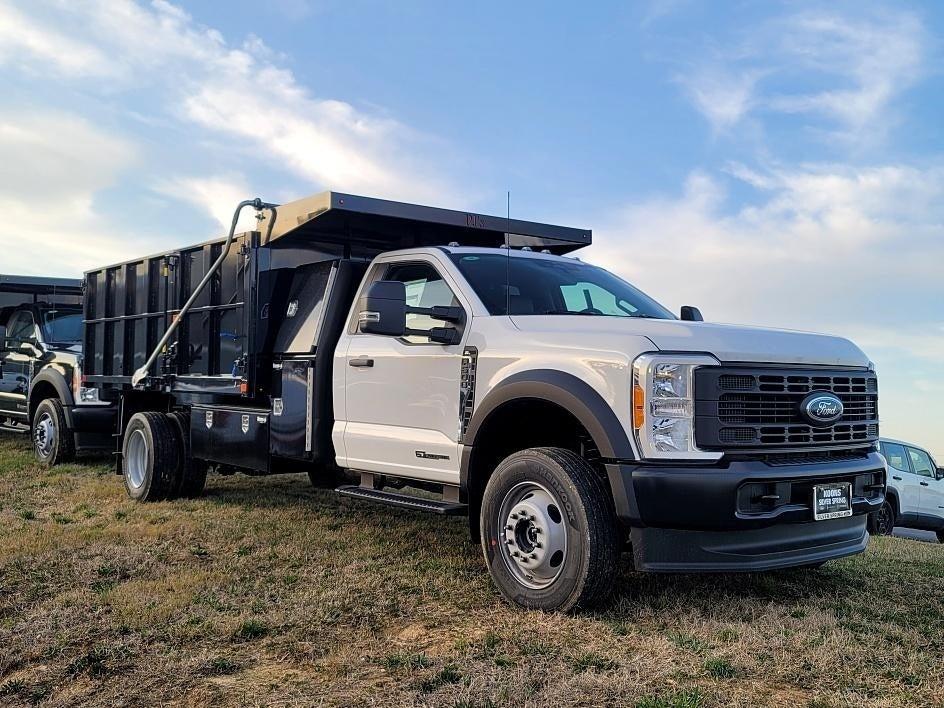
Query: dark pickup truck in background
{"x":40,"y":368}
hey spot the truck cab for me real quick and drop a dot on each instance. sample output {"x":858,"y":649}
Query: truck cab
{"x":565,"y":412}
{"x":40,"y":368}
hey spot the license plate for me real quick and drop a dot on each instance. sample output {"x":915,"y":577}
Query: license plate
{"x":832,"y":501}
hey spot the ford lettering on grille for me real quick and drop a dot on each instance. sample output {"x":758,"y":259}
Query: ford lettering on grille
{"x":822,"y":408}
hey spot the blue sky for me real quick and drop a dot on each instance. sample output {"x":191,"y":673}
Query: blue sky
{"x":775,"y":164}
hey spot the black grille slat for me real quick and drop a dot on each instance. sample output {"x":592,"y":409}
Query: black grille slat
{"x":741,"y":408}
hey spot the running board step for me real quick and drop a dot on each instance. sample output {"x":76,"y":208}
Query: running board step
{"x":404,"y":501}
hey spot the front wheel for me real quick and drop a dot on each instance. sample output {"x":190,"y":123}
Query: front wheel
{"x":882,"y":522}
{"x":549,"y":531}
{"x":53,"y":441}
{"x":940,"y":536}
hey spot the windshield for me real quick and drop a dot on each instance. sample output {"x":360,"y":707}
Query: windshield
{"x":545,"y":286}
{"x":62,"y":326}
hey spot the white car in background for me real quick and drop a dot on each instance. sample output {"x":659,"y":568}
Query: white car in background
{"x":915,"y":495}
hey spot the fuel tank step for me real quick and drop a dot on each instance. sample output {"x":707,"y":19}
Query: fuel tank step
{"x":405,"y":501}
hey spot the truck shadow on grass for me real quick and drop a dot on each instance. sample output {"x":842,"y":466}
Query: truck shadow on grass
{"x":737,"y":596}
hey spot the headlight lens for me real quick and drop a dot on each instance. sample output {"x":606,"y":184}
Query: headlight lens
{"x":664,"y":406}
{"x":88,"y":395}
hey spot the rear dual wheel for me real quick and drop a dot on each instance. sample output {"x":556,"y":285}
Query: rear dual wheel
{"x":156,"y":461}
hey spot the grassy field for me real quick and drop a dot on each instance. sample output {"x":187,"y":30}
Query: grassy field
{"x":266,"y":592}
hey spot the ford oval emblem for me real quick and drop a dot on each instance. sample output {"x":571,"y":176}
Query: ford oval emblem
{"x":821,"y":408}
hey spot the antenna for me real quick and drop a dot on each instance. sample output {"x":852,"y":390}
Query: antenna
{"x":508,"y":253}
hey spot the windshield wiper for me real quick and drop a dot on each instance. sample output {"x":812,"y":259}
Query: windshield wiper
{"x":569,"y":312}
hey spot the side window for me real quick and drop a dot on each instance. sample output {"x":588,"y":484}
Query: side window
{"x":921,"y":462}
{"x":22,"y":327}
{"x":895,"y":454}
{"x":424,"y":288}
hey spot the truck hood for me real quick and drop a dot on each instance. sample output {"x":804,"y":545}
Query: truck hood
{"x":727,"y":343}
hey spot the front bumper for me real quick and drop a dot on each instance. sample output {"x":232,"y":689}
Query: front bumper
{"x":741,"y":515}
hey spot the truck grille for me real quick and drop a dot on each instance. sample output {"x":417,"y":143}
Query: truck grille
{"x":746,"y":408}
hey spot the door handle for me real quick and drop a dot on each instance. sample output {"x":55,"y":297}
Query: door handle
{"x":361,"y":362}
{"x":898,"y":478}
{"x":923,"y":484}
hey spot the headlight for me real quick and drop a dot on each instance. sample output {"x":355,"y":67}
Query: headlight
{"x":88,"y":395}
{"x":664,"y":406}
{"x":80,"y":392}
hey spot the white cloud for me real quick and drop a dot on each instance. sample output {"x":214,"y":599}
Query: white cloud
{"x":723,"y":96}
{"x":51,"y":223}
{"x":239,"y":94}
{"x":817,"y":240}
{"x":216,"y":195}
{"x":23,"y":41}
{"x":875,"y":58}
{"x":863,"y":61}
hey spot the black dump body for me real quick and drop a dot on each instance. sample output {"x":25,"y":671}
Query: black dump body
{"x":259,"y":339}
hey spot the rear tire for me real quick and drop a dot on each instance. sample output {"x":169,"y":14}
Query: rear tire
{"x":53,"y":440}
{"x":882,"y":522}
{"x":191,"y":474}
{"x":549,"y":531}
{"x":150,"y":456}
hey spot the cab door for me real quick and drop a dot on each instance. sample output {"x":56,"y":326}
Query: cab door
{"x":904,"y":481}
{"x":402,"y":394}
{"x":16,"y":363}
{"x":932,"y":489}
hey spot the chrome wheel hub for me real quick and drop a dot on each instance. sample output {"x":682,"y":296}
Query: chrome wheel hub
{"x":534,"y":535}
{"x":44,"y":435}
{"x":136,"y":459}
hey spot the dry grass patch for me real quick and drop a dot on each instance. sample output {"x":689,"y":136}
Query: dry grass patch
{"x":265,"y":591}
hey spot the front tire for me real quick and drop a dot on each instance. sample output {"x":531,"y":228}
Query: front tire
{"x":882,"y":522}
{"x":549,"y":531}
{"x":940,"y":536}
{"x":53,"y":441}
{"x":150,"y":457}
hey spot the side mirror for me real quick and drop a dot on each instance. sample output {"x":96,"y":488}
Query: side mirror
{"x":31,"y":347}
{"x":691,"y":314}
{"x":382,"y":310}
{"x":940,"y":473}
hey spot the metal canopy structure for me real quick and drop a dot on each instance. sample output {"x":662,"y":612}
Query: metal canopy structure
{"x":33,"y":285}
{"x":23,"y":289}
{"x":334,"y":217}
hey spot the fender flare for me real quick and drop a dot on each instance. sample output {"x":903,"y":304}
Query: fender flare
{"x":892,"y":496}
{"x":58,"y":382}
{"x":568,"y":392}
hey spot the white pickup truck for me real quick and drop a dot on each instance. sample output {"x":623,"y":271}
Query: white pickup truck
{"x":560,"y":408}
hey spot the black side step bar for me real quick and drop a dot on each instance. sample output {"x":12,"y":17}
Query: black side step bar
{"x":404,"y":501}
